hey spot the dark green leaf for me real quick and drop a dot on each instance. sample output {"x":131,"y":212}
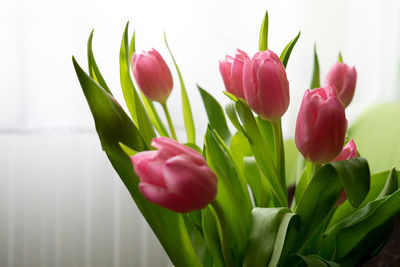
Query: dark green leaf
{"x":215,"y":115}
{"x":355,"y":178}
{"x":264,"y":230}
{"x":345,"y":236}
{"x":187,"y":111}
{"x":114,"y":126}
{"x":324,"y":187}
{"x":263,"y":42}
{"x":240,"y":148}
{"x":231,"y":196}
{"x":285,"y":55}
{"x":211,"y":236}
{"x":315,"y":83}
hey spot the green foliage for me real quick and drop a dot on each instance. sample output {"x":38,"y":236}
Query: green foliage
{"x":285,"y":55}
{"x":114,"y":126}
{"x":215,"y":114}
{"x":315,"y":80}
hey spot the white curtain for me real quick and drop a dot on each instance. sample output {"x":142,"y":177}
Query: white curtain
{"x":61,"y":203}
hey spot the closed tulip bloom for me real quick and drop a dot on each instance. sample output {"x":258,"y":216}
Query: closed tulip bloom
{"x":321,"y":125}
{"x":175,"y":177}
{"x":265,"y":85}
{"x":231,"y":69}
{"x":152,"y":75}
{"x":344,"y":79}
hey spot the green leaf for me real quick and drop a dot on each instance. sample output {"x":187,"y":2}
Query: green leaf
{"x":291,"y":159}
{"x":285,"y":55}
{"x":377,"y":185}
{"x":263,"y":233}
{"x":282,"y":237}
{"x":259,"y":187}
{"x":94,"y":71}
{"x":340,"y":59}
{"x":132,"y":99}
{"x":215,"y":115}
{"x":187,"y":111}
{"x":211,"y":236}
{"x":233,"y":117}
{"x":378,"y":129}
{"x":309,"y":261}
{"x":392,"y":184}
{"x":154,"y":117}
{"x":261,"y":153}
{"x":324,"y":187}
{"x":355,"y":177}
{"x":231,"y":196}
{"x":114,"y":126}
{"x":240,"y":148}
{"x":263,"y":42}
{"x":345,"y":236}
{"x":128,"y":151}
{"x":132,"y":46}
{"x":267,"y":132}
{"x":315,"y":82}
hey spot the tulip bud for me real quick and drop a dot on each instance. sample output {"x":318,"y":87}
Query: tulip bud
{"x":349,"y":151}
{"x":175,"y":177}
{"x":265,"y":85}
{"x":321,"y":125}
{"x":344,"y":80}
{"x":152,"y":75}
{"x":231,"y":71}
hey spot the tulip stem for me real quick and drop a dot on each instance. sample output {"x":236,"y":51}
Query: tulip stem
{"x":224,"y":233}
{"x":171,"y":126}
{"x":279,"y":152}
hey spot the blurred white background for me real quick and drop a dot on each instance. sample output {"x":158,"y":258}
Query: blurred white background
{"x":61,"y":204}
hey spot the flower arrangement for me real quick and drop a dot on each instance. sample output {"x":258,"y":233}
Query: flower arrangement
{"x":227,"y":203}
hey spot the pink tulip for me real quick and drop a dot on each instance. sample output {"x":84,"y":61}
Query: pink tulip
{"x":152,"y":75}
{"x":344,"y":79}
{"x":231,"y":71}
{"x":265,"y":85}
{"x":321,"y":125}
{"x":349,"y":151}
{"x":175,"y":177}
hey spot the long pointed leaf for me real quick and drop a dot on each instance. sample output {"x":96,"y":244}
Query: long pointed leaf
{"x":263,"y":41}
{"x":315,"y":81}
{"x":94,"y":71}
{"x":187,"y":111}
{"x":215,"y":115}
{"x":285,"y":55}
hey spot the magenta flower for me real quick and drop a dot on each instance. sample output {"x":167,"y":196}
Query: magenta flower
{"x":344,"y":80}
{"x":231,"y":69}
{"x":265,"y":85}
{"x":175,"y":177}
{"x":321,"y":125}
{"x":152,"y":75}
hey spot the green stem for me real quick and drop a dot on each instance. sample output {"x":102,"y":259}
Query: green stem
{"x":171,"y":126}
{"x":224,"y":233}
{"x":279,"y":152}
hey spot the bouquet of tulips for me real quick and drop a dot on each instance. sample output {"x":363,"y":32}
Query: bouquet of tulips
{"x":226,"y":203}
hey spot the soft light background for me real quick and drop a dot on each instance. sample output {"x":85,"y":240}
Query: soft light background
{"x":61,"y":204}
